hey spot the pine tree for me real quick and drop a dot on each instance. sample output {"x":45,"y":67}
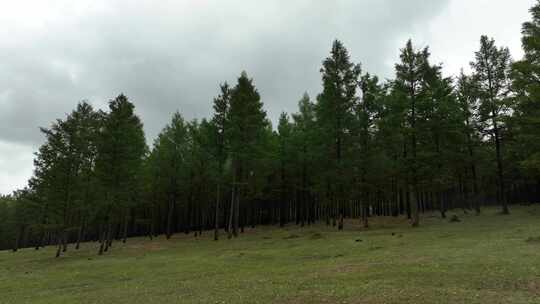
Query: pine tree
{"x":491,"y":68}
{"x":284,"y":156}
{"x":246,"y":132}
{"x":467,"y":99}
{"x":219,"y":122}
{"x":121,"y":150}
{"x":169,"y":160}
{"x":87,"y":122}
{"x":335,"y":117}
{"x":410,"y":77}
{"x":526,"y":85}
{"x":439,"y":127}
{"x":365,"y":112}
{"x":64,"y":173}
{"x":304,"y":130}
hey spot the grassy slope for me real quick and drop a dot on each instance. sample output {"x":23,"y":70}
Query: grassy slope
{"x":483,"y":259}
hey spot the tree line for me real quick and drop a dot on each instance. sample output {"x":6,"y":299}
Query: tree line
{"x":364,"y":147}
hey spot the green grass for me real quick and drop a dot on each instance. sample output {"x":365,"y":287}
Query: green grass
{"x":486,"y":259}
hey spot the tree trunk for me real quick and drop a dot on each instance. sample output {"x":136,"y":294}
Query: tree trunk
{"x":108,"y":238}
{"x":231,"y":213}
{"x":216,"y":224}
{"x":500,"y":172}
{"x":102,"y":235}
{"x":365,"y":213}
{"x":40,"y":240}
{"x":125,"y":230}
{"x":80,"y":235}
{"x":442,"y":205}
{"x":152,"y":222}
{"x":414,"y":190}
{"x":18,"y":239}
{"x":414,"y":209}
{"x":169,"y":219}
{"x":61,"y":241}
{"x":65,"y":241}
{"x":236,"y":215}
{"x":475,"y":196}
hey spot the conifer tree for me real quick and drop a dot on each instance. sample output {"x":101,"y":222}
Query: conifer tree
{"x":246,"y":132}
{"x":335,"y":118}
{"x":170,"y":152}
{"x":466,"y":96}
{"x":64,"y":173}
{"x":219,"y":122}
{"x":410,"y":77}
{"x":284,"y":157}
{"x":491,"y":69}
{"x":121,"y":150}
{"x":304,"y":131}
{"x":365,"y":112}
{"x":526,"y":86}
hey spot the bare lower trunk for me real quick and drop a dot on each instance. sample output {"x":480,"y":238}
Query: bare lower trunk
{"x":108,"y":238}
{"x":124,"y":236}
{"x":65,"y":241}
{"x":442,"y":205}
{"x":60,"y":243}
{"x":169,"y":221}
{"x":58,"y":251}
{"x":18,"y":239}
{"x":236,"y":215}
{"x":216,"y":224}
{"x":475,"y":196}
{"x":41,"y":240}
{"x":80,"y":236}
{"x":365,"y":211}
{"x":414,"y":209}
{"x":152,"y":224}
{"x":231,"y":213}
{"x":102,"y":241}
{"x":500,"y":171}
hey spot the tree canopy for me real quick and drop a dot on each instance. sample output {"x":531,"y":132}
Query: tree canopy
{"x":363,"y":147}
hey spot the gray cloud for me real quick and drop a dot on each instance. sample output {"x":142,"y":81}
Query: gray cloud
{"x":172,"y":55}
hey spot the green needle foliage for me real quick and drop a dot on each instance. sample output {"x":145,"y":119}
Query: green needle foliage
{"x":364,"y":147}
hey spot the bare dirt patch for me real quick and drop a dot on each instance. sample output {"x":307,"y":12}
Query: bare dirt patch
{"x":532,"y":287}
{"x":533,"y":240}
{"x":148,"y":246}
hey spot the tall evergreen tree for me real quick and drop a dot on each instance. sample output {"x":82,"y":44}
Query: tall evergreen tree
{"x":465,"y":92}
{"x":410,"y":77}
{"x":284,"y":157}
{"x":335,"y":118}
{"x":491,"y":69}
{"x":526,"y":86}
{"x":440,"y":129}
{"x":64,"y":173}
{"x":169,"y":156}
{"x":303,"y":138}
{"x":219,"y":121}
{"x":121,"y":149}
{"x":247,"y":124}
{"x":366,"y":110}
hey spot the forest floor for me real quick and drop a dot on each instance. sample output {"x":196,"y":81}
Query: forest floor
{"x":486,"y":259}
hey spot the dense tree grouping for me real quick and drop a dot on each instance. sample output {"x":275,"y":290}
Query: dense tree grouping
{"x":363,"y":147}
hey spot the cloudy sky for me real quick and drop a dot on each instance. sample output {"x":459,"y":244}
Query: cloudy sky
{"x":171,"y":55}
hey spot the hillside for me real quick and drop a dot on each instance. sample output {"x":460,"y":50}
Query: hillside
{"x":487,"y":259}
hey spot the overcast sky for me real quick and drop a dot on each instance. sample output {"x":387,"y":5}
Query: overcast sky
{"x":172,"y":55}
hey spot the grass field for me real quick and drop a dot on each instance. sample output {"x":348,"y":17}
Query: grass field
{"x":486,"y":259}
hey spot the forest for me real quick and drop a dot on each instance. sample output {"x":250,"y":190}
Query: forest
{"x":364,"y":147}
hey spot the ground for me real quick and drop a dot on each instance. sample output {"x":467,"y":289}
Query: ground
{"x":490,"y":258}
